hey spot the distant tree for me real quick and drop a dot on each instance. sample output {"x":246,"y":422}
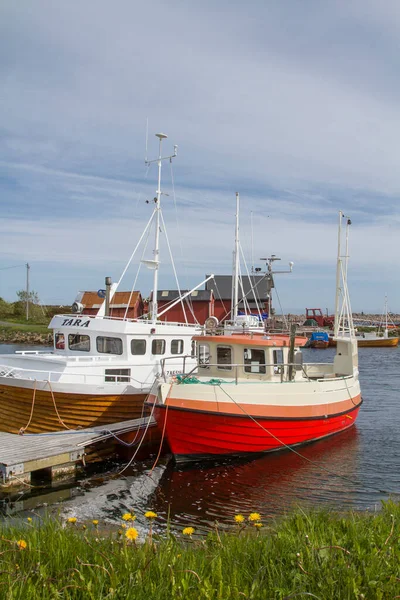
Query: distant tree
{"x":35,"y":309}
{"x":33,"y":297}
{"x":6,"y":308}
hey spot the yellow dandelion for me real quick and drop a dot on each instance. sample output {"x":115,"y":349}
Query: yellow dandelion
{"x":150,"y":514}
{"x":127,"y":517}
{"x":258,"y":524}
{"x":239,"y":518}
{"x":29,"y":519}
{"x":72,"y":520}
{"x":131,"y":533}
{"x":188,"y":531}
{"x":120,"y":532}
{"x":95,"y":522}
{"x":254,"y":517}
{"x":124,"y":525}
{"x":22,"y":544}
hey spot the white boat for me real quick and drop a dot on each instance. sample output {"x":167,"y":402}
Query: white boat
{"x":101,"y":368}
{"x":253,"y":394}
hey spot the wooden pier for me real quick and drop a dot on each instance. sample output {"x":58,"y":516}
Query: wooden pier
{"x":56,"y":455}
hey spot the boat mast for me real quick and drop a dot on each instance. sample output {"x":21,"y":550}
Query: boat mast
{"x":157,"y":200}
{"x":235,"y":296}
{"x":338,"y":270}
{"x":386,"y":334}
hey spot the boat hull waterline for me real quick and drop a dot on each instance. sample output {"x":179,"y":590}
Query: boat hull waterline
{"x":196,"y":435}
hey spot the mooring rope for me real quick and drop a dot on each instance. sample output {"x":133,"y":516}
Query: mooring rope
{"x":23,"y":429}
{"x":55,"y":407}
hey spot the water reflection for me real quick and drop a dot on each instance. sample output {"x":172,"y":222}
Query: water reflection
{"x":270,"y":485}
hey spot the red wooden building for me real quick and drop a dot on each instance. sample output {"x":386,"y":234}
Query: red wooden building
{"x":199,"y":305}
{"x":256,"y":289}
{"x":123,"y":304}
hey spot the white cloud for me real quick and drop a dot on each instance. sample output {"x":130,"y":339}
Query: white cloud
{"x":294,"y":106}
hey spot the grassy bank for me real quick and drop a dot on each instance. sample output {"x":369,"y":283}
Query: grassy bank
{"x":318,"y":554}
{"x":13,"y":331}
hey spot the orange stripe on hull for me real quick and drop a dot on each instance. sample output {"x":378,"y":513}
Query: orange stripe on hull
{"x":265,"y":410}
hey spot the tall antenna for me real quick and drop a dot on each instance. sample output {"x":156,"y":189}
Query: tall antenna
{"x":235,"y":298}
{"x":147,"y":137}
{"x":155,"y":262}
{"x":252,"y":242}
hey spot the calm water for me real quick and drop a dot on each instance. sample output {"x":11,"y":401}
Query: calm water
{"x":354,"y":470}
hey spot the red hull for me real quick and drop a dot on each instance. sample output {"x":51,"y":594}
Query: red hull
{"x":195,"y":435}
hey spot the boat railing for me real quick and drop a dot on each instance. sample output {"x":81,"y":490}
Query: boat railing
{"x":48,"y":376}
{"x":286,"y":371}
{"x":126,"y":320}
{"x":34,"y":352}
{"x":184,"y":358}
{"x":69,"y":357}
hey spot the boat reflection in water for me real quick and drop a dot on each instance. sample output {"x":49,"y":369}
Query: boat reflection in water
{"x":272,"y":484}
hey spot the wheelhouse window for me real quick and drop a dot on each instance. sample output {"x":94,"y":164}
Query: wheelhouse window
{"x":254,"y":360}
{"x":176,"y":346}
{"x":278,"y":360}
{"x":203,"y":356}
{"x":224,"y":358}
{"x":108,"y":345}
{"x":59,"y":341}
{"x":117,"y":375}
{"x":78,"y":342}
{"x":158,"y":347}
{"x":138,"y":347}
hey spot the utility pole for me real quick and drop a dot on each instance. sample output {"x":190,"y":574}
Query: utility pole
{"x":27,"y":291}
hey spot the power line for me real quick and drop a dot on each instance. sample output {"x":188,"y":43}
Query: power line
{"x":13,"y":267}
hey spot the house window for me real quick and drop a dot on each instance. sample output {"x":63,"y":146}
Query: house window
{"x":176,"y":346}
{"x":115,"y":375}
{"x":78,"y":342}
{"x":158,"y":347}
{"x":254,"y":360}
{"x":224,"y":358}
{"x":138,"y":347}
{"x":108,"y":345}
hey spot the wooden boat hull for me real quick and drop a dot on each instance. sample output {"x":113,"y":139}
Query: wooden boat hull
{"x":378,"y":343}
{"x":375,"y":343}
{"x":199,"y":434}
{"x":51,"y":410}
{"x":319,"y":344}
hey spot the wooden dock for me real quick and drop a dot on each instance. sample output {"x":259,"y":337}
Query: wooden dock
{"x":56,"y":454}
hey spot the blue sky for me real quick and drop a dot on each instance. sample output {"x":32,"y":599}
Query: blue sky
{"x":294,"y":105}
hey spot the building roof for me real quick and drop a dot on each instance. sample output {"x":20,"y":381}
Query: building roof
{"x":195,"y":296}
{"x":221,"y":286}
{"x":119,"y":300}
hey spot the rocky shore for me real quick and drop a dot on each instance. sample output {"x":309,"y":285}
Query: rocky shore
{"x":10,"y":336}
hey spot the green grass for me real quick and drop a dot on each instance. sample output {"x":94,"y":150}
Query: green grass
{"x":317,"y":554}
{"x":25,"y":327}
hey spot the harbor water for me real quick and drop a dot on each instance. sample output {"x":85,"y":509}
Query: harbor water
{"x":355,"y":470}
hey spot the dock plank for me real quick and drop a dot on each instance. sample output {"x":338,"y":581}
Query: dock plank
{"x":23,"y":451}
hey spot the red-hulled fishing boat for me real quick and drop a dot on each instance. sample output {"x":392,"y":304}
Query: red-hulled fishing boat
{"x":254,"y":394}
